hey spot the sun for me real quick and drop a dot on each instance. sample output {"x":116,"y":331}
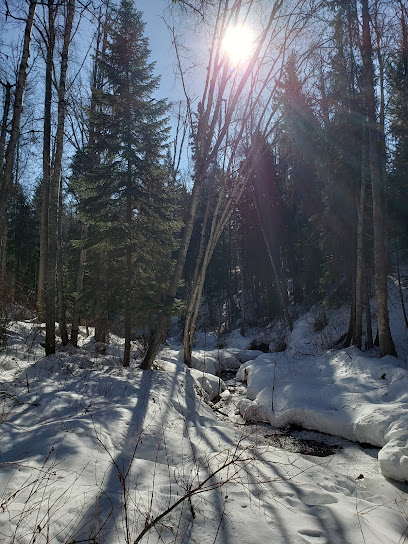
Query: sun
{"x":238,"y":43}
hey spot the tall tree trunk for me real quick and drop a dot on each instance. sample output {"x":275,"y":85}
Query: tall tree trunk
{"x":160,"y":330}
{"x":128,"y":272}
{"x":352,"y":320}
{"x":380,"y":251}
{"x":6,"y":109}
{"x":62,"y":307}
{"x":76,"y":310}
{"x":187,"y":335}
{"x":45,"y":186}
{"x":401,"y":294}
{"x":7,"y":99}
{"x":358,"y":323}
{"x":55,"y":185}
{"x":6,"y":172}
{"x":367,"y":309}
{"x":100,"y":48}
{"x":101,"y":327}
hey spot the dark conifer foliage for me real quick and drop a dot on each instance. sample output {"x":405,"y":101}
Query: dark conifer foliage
{"x":23,"y":246}
{"x":299,"y":153}
{"x":125,"y":194}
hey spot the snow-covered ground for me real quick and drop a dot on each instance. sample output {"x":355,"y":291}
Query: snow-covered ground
{"x":91,"y":452}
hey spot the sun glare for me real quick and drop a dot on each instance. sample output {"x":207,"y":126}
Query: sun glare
{"x":238,"y":43}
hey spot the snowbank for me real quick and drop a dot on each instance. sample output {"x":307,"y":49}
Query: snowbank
{"x":341,"y":393}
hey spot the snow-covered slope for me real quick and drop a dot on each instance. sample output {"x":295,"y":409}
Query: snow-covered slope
{"x":91,"y":452}
{"x":347,"y":393}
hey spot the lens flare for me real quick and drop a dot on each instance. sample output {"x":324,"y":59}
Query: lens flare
{"x":238,"y":44}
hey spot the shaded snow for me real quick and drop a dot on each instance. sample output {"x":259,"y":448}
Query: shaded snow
{"x":346,"y":393}
{"x":92,"y":452}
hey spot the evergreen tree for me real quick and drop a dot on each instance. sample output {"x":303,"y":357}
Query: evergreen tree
{"x":299,"y":153}
{"x":126,"y":197}
{"x":398,"y":92}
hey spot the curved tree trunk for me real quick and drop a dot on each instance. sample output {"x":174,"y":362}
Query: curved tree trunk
{"x":160,"y":331}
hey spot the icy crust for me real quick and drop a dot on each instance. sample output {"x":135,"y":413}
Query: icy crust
{"x":340,"y":393}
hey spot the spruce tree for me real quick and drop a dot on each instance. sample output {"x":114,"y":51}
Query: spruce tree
{"x":126,"y":198}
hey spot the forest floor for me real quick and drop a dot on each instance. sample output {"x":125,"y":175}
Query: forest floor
{"x":94,"y":453}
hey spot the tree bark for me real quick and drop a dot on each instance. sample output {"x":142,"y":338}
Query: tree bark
{"x":6,"y":109}
{"x":6,"y":173}
{"x":352,"y":320}
{"x":380,"y":251}
{"x":128,"y":271}
{"x":45,"y":187}
{"x":160,"y":331}
{"x":367,"y":309}
{"x":401,"y":294}
{"x":101,"y":328}
{"x":358,"y":323}
{"x":55,"y":185}
{"x":62,"y":307}
{"x":187,"y":334}
{"x":76,"y":310}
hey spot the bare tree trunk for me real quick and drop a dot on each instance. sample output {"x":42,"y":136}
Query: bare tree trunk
{"x":352,"y":320}
{"x":101,"y":42}
{"x":128,"y":273}
{"x":358,"y":323}
{"x":160,"y":331}
{"x":6,"y":109}
{"x":62,"y":308}
{"x":101,"y":328}
{"x":187,"y":334}
{"x":401,"y":294}
{"x":45,"y":187}
{"x":76,"y":310}
{"x":380,"y":251}
{"x":6,"y":173}
{"x":367,"y":309}
{"x":55,"y":185}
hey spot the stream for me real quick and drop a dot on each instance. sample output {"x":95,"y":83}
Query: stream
{"x":357,"y":461}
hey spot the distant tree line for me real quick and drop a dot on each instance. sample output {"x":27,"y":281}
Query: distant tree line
{"x":296,"y":191}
